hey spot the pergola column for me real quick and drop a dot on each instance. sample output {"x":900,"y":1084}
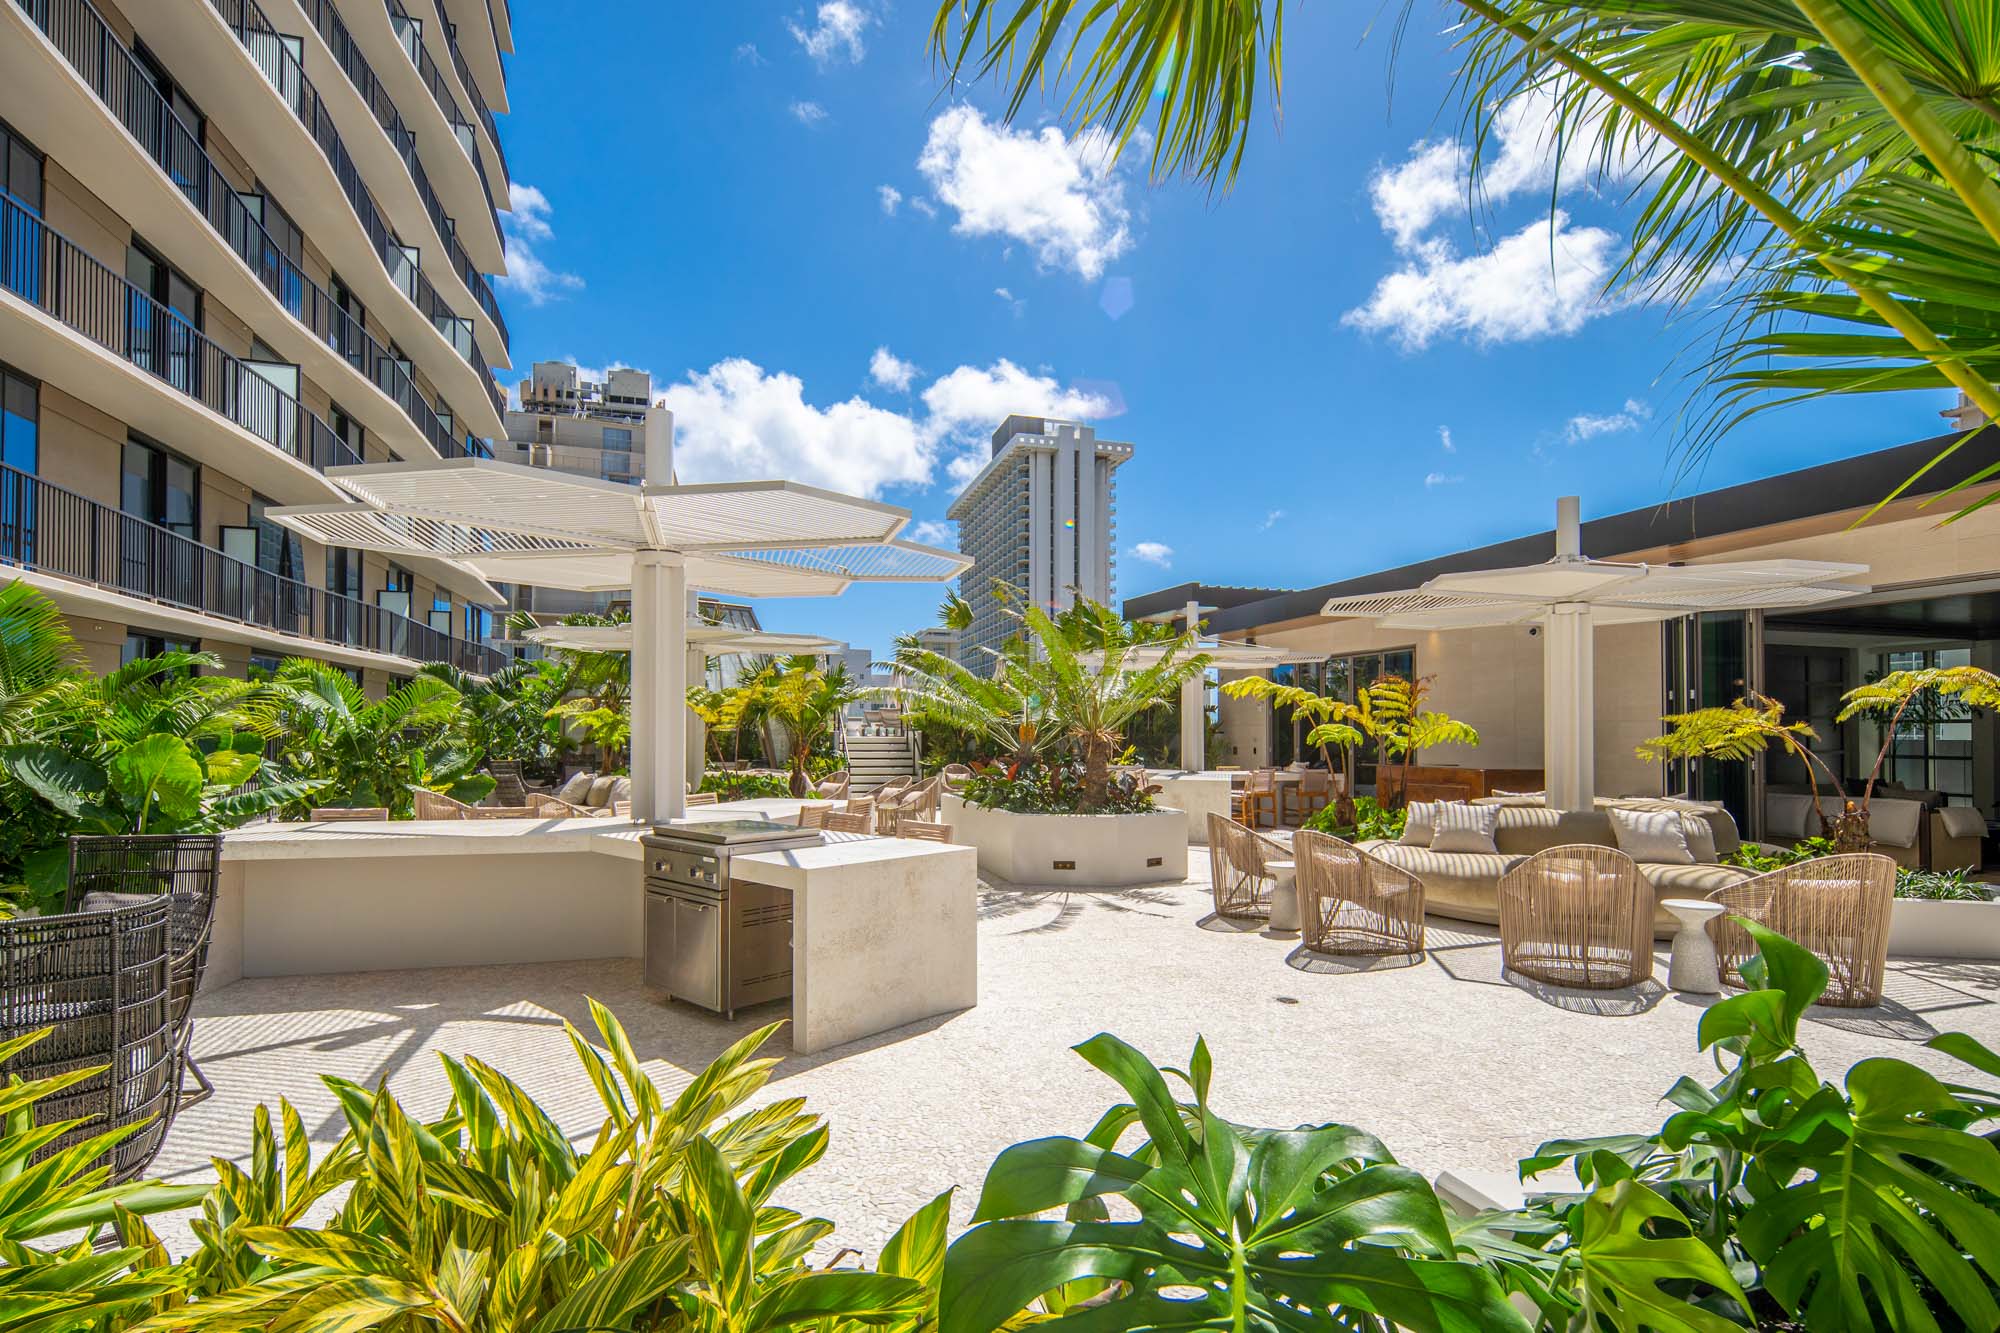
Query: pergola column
{"x":1569,"y":678}
{"x":1194,"y":701}
{"x":659,"y":686}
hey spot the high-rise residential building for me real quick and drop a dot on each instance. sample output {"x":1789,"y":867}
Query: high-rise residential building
{"x":243,"y":242}
{"x":1041,"y":518}
{"x":588,"y":428}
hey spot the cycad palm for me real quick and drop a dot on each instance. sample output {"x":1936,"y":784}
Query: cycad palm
{"x":1841,"y":153}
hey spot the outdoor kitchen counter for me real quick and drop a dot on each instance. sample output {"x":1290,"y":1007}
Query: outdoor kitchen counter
{"x":884,"y":929}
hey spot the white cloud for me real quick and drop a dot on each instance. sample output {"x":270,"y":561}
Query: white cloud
{"x":735,"y":421}
{"x":1546,"y":278}
{"x":1589,"y":425}
{"x":1153,"y":553}
{"x":808,"y":113}
{"x":525,"y":226}
{"x":1444,"y":439}
{"x":1436,"y":479}
{"x":891,"y":371}
{"x":836,"y":32}
{"x":932,"y":532}
{"x":924,"y":206}
{"x":1272,"y":519}
{"x":748,"y":54}
{"x":890,"y":197}
{"x":1062,"y":198}
{"x":1018,"y":304}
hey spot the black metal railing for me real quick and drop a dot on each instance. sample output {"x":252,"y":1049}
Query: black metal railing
{"x":47,"y":270}
{"x":53,"y":530}
{"x":472,"y":89}
{"x":282,"y":70}
{"x":348,"y":55}
{"x":94,"y":51}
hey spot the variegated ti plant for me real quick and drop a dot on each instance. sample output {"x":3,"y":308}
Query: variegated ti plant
{"x":491,"y":1219}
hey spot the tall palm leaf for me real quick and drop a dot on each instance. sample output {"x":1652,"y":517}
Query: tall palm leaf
{"x":37,"y":654}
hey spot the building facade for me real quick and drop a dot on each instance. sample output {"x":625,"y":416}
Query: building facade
{"x":242,"y":243}
{"x":1040,"y":518}
{"x":583,"y":427}
{"x":1933,"y":600}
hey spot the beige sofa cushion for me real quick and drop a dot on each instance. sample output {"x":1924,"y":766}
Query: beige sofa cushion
{"x":1465,"y":828}
{"x":1895,"y":823}
{"x":1464,"y":886}
{"x":1526,"y":829}
{"x":577,"y":790}
{"x":1419,"y":823}
{"x":1653,"y":835}
{"x":1962,"y":821}
{"x":1786,"y":816}
{"x":600,"y":792}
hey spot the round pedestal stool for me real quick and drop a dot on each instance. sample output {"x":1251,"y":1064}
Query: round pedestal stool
{"x":1692,"y":968}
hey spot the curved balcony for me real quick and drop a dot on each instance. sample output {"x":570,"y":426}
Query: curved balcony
{"x":483,"y":45}
{"x":107,"y":68}
{"x":283,"y":72}
{"x":53,"y":530}
{"x":44,"y":269}
{"x":449,"y":31}
{"x":467,"y":178}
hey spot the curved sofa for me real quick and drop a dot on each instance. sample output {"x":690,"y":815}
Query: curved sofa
{"x":1466,"y":885}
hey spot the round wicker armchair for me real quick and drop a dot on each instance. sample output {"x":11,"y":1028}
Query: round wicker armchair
{"x":1577,"y":916}
{"x":1241,"y":881}
{"x":1836,"y":906}
{"x":102,"y":982}
{"x":1353,"y":903}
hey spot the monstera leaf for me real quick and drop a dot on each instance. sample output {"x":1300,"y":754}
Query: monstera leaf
{"x":1262,"y":1229}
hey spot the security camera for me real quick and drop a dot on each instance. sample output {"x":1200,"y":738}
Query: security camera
{"x":1534,"y":630}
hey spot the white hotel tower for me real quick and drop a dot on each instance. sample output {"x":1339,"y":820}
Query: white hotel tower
{"x":1041,"y":516}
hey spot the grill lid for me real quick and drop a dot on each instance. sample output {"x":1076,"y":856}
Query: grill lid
{"x":731,"y":832}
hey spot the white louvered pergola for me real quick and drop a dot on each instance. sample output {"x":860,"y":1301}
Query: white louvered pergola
{"x":1572,"y":594}
{"x":534,"y":526}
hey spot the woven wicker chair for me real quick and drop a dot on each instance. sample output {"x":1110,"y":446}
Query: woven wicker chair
{"x":334,"y":814}
{"x":186,"y":869}
{"x":1351,"y":902}
{"x":1241,"y":881}
{"x":842,"y":821}
{"x":1836,"y":906}
{"x":810,"y":816}
{"x":955,"y":776}
{"x":436,"y":805}
{"x":832,"y":787}
{"x":1578,"y":916}
{"x":923,"y":830}
{"x":103,"y":981}
{"x":918,"y":802}
{"x":510,"y":787}
{"x":704,"y":798}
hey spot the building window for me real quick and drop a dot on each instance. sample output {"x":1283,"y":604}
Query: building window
{"x":277,"y":546}
{"x":478,"y":624}
{"x":20,"y":171}
{"x":161,"y":488}
{"x":139,"y":644}
{"x":20,"y":439}
{"x":164,"y":319}
{"x":1933,"y":746}
{"x":263,"y":666}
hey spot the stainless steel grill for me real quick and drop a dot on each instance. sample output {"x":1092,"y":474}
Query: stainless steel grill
{"x":711,"y":939}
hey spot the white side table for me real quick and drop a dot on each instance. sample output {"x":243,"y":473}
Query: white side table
{"x":1284,"y":895}
{"x":1693,"y":968}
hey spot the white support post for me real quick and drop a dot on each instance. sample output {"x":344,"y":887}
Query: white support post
{"x":659,"y":687}
{"x":1569,"y":707}
{"x":1194,"y":706}
{"x":697,"y":730}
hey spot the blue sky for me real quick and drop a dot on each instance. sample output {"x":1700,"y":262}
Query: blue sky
{"x":839,"y":273}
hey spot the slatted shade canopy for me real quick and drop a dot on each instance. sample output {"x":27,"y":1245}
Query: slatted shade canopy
{"x":700,"y":635}
{"x":1568,"y":597}
{"x":526,"y":525}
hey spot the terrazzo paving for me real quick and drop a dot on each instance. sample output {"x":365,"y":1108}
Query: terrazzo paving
{"x":1452,"y":1063}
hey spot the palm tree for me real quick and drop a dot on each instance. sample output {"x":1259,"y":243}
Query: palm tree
{"x":1838,"y":155}
{"x":805,"y":703}
{"x":1740,"y":732}
{"x":371,"y":752}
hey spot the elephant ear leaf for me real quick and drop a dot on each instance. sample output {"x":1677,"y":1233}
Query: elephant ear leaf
{"x":231,"y":768}
{"x":64,"y":780}
{"x":162,"y":769}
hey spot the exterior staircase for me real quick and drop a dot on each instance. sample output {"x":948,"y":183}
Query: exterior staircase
{"x":874,"y":760}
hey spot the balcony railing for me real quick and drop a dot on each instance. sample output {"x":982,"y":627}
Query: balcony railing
{"x":266,"y":46}
{"x":56,"y":531}
{"x":472,"y":88}
{"x":45,"y":269}
{"x":404,"y":140}
{"x":93,"y":50}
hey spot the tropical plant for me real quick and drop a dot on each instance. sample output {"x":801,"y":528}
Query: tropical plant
{"x":1236,"y":1228}
{"x":1891,"y":698}
{"x":506,"y":715}
{"x":490,"y":1218}
{"x":806,"y":703}
{"x":1052,"y":785}
{"x":1833,"y":159}
{"x":1071,"y":681}
{"x":1758,"y":858}
{"x":1740,"y":732}
{"x":595,"y":694}
{"x":1369,"y":821}
{"x":1772,"y":1195}
{"x":1941,"y":886}
{"x":1388,"y":711}
{"x":1336,"y":725}
{"x":369,"y":753}
{"x":73,"y":1254}
{"x":734,"y":786}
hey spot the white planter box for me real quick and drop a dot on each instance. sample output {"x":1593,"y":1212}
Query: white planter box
{"x":1199,"y":794}
{"x":1922,"y":929}
{"x":1095,"y":851}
